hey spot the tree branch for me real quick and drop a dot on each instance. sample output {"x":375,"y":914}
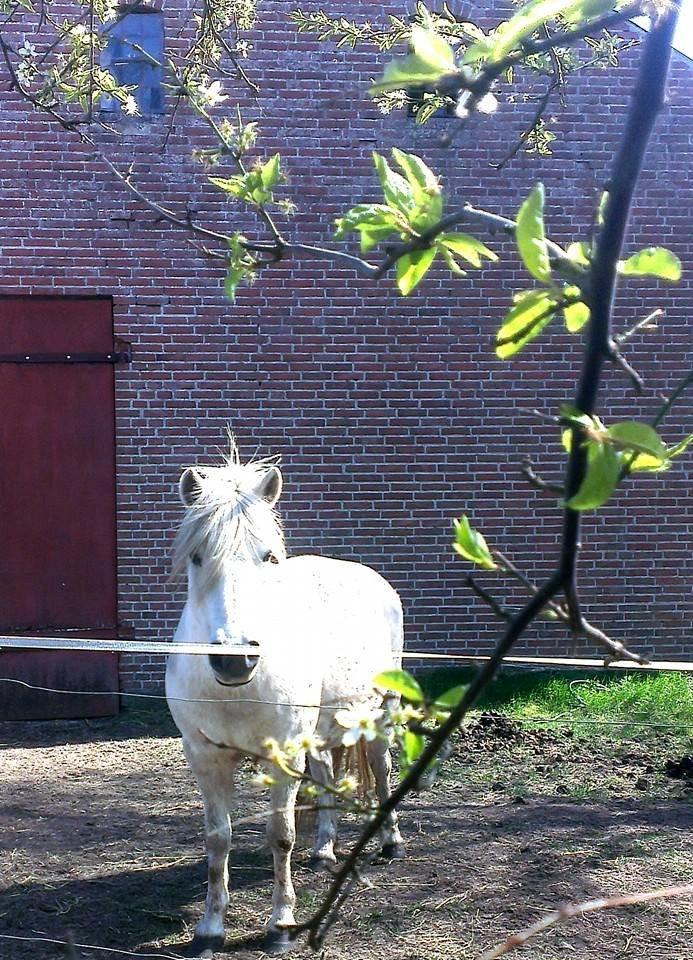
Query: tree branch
{"x":456,"y":83}
{"x":492,"y":222}
{"x":646,"y":102}
{"x":572,"y":910}
{"x":317,"y":925}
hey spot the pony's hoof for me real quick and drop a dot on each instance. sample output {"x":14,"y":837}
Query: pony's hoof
{"x":393,"y":851}
{"x":277,"y":942}
{"x":205,"y":947}
{"x":321,"y":865}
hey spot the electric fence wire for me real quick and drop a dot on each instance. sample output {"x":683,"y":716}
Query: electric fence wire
{"x":560,"y":719}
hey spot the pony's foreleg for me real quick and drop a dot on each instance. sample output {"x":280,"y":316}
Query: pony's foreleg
{"x":281,"y":836}
{"x":323,"y":850}
{"x":214,"y":773}
{"x":381,"y":764}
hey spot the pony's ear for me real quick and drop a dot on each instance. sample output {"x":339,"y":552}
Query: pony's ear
{"x":270,"y":486}
{"x":189,"y":486}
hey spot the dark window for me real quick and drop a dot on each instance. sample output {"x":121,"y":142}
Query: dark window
{"x":138,"y":28}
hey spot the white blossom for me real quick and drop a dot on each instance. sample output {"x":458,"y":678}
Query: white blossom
{"x":130,"y":106}
{"x":210,"y":95}
{"x":262,"y":780}
{"x":358,"y":724}
{"x":307,"y":743}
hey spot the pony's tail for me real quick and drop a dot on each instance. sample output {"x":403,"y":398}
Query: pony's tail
{"x":353,"y":761}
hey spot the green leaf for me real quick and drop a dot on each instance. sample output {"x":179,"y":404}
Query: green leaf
{"x":450,"y":699}
{"x":450,"y":260}
{"x":575,"y":416}
{"x":579,"y":252}
{"x":645,"y":462}
{"x":374,"y":222}
{"x":432,"y":48}
{"x":401,"y":682}
{"x":467,"y":247}
{"x":270,"y":172}
{"x":397,"y":190}
{"x":421,"y":178}
{"x":638,"y":437}
{"x":431,"y":58}
{"x":510,"y":33}
{"x":587,"y":9}
{"x":412,"y":746}
{"x":530,"y":236}
{"x":236,"y":186}
{"x":372,"y":235}
{"x":524,"y":321}
{"x":652,"y":262}
{"x":576,"y":314}
{"x":680,"y":447}
{"x":234,"y":275}
{"x":603,"y":467}
{"x":425,"y":189}
{"x":471,"y":544}
{"x":411,"y":269}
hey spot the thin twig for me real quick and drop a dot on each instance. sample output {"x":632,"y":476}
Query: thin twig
{"x":499,"y":611}
{"x":532,"y":477}
{"x":647,"y":323}
{"x":572,"y":910}
{"x":526,"y":134}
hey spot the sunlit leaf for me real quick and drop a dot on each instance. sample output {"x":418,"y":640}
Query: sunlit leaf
{"x":678,"y":448}
{"x":579,"y":252}
{"x":450,"y":260}
{"x":471,"y":544}
{"x":426,"y":192}
{"x":412,"y":745}
{"x":524,"y":321}
{"x":235,"y":186}
{"x":420,"y":176}
{"x":401,"y":682}
{"x":638,"y":437}
{"x":397,"y":190}
{"x":270,"y":172}
{"x":576,"y":314}
{"x":467,"y":247}
{"x":575,"y":416}
{"x":652,"y":262}
{"x":511,"y":33}
{"x":603,"y":467}
{"x":450,"y":699}
{"x":373,"y":221}
{"x":530,"y":236}
{"x":431,"y":58}
{"x":411,"y":269}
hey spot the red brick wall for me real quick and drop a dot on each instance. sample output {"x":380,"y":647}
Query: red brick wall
{"x":392,"y":415}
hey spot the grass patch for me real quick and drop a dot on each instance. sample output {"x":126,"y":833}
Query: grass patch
{"x":603,"y":698}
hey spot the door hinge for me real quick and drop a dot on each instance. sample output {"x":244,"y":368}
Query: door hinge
{"x":121,"y":353}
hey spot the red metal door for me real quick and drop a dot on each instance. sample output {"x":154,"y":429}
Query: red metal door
{"x":57,"y":502}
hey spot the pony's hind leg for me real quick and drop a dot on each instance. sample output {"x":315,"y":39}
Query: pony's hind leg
{"x":321,"y":769}
{"x":281,"y":836}
{"x":381,"y":764}
{"x":214,"y":769}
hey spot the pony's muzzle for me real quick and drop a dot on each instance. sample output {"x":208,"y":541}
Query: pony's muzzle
{"x":234,"y":669}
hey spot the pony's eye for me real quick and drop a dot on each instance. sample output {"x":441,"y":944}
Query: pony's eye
{"x":269,"y":557}
{"x":196,"y":559}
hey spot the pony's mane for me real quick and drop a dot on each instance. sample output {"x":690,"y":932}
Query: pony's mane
{"x":227,"y":518}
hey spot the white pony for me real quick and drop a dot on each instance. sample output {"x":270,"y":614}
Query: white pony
{"x":323,"y":629}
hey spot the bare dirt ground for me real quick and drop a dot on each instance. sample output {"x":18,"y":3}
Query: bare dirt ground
{"x":101,"y":843}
